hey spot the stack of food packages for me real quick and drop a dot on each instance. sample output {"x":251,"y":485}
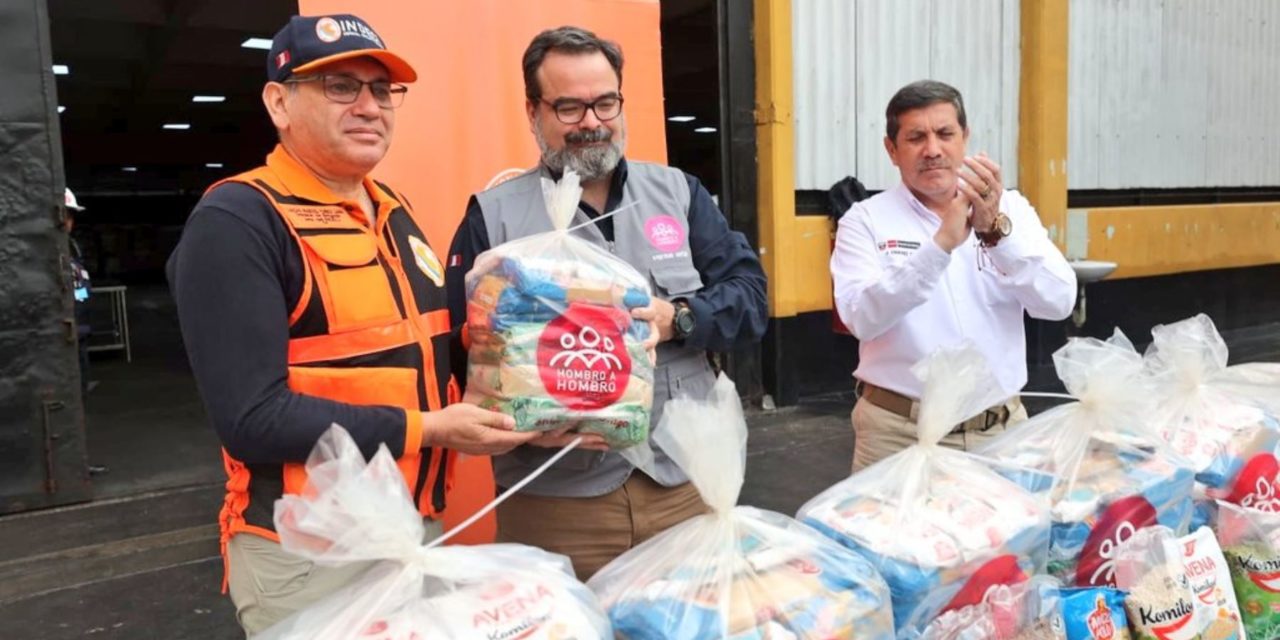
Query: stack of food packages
{"x":1103,"y":465}
{"x":358,"y":512}
{"x":937,"y":520}
{"x":552,"y":340}
{"x":737,"y":572}
{"x":1222,"y":419}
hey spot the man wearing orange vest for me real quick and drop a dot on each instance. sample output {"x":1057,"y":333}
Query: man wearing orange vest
{"x":308,"y":296}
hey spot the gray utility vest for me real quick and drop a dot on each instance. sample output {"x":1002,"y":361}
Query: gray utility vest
{"x":515,"y":209}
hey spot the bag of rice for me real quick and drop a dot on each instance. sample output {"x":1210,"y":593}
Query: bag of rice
{"x":1162,"y":599}
{"x":358,"y":512}
{"x":1221,"y":419}
{"x":551,"y":338}
{"x":1100,"y":461}
{"x":1251,"y":544}
{"x":930,"y":518}
{"x":1094,"y":613}
{"x":737,"y":573}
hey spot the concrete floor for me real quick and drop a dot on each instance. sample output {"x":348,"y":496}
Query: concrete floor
{"x":141,"y":561}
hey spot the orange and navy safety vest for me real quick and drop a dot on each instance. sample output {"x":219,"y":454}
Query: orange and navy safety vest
{"x":371,"y":328}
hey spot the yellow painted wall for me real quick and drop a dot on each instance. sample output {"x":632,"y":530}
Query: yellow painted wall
{"x":1149,"y":241}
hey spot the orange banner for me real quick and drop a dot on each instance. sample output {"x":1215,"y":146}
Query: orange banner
{"x":463,"y":122}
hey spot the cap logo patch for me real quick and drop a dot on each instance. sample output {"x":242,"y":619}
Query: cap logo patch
{"x":327,"y":30}
{"x":282,"y":59}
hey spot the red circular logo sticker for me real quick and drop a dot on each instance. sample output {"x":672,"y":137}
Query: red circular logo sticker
{"x":582,"y":358}
{"x":1118,"y":523}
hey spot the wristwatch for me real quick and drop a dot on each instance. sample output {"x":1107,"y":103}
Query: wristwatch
{"x":683,"y":322}
{"x":1001,"y":227}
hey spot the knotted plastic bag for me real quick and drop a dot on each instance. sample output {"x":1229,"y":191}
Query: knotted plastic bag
{"x":1221,"y":419}
{"x":356,"y":512}
{"x":738,"y":572}
{"x":552,"y":341}
{"x":932,"y":519}
{"x":1101,"y":459}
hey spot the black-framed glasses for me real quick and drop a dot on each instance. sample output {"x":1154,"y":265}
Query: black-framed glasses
{"x":570,"y":111}
{"x":346,"y":90}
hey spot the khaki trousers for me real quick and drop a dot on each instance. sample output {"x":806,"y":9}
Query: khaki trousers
{"x":880,"y":433}
{"x":268,"y":584}
{"x":593,"y":531}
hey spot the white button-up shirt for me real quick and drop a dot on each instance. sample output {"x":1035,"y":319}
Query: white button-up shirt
{"x":903,"y":297}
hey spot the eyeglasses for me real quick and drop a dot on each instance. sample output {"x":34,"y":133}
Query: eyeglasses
{"x":346,"y":90}
{"x":569,"y":111}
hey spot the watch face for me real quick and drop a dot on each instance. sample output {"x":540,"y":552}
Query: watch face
{"x":684,"y":321}
{"x":1004,"y":225}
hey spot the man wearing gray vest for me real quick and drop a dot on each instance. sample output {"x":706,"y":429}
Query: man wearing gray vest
{"x":709,"y":294}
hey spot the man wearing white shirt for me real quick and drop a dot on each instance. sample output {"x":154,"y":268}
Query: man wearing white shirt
{"x":946,"y":256}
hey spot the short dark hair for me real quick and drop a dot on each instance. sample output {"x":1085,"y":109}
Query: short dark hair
{"x":571,"y":40}
{"x":918,"y":95}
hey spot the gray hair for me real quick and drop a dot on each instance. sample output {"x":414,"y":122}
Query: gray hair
{"x":571,"y":40}
{"x":918,"y":95}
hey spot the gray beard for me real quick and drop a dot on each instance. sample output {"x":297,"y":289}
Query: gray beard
{"x":590,"y":163}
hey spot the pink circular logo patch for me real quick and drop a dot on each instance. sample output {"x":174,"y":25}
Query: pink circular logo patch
{"x":664,"y":233}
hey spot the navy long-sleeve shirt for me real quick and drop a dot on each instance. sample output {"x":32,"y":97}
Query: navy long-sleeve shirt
{"x":731,"y":309}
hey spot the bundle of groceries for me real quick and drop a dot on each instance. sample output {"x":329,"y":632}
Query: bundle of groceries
{"x":737,"y":572}
{"x":1100,"y":460}
{"x":937,"y":520}
{"x":1222,"y":419}
{"x":551,"y":339}
{"x":358,"y":512}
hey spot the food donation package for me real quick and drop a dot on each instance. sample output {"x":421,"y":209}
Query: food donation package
{"x":738,"y":572}
{"x":551,"y":339}
{"x":1177,"y":588}
{"x":1222,"y":419}
{"x":1250,"y":540}
{"x":1027,"y":610}
{"x":930,"y":518}
{"x":357,"y":512}
{"x":1104,"y":465}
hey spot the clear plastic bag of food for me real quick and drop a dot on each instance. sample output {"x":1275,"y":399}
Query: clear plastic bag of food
{"x":1171,"y":589}
{"x":1250,"y":542}
{"x":736,"y":573}
{"x":930,"y":518}
{"x":352,"y":511}
{"x":1027,"y":610}
{"x":551,"y":339}
{"x":1222,"y":419}
{"x":1101,"y":460}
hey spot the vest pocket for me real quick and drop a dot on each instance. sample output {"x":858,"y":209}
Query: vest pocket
{"x":393,"y":386}
{"x":361,"y":296}
{"x":676,"y":279}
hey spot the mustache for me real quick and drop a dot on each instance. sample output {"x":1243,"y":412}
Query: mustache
{"x":603,"y":134}
{"x":928,"y":165}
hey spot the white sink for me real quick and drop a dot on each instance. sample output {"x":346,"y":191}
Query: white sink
{"x":1092,"y":270}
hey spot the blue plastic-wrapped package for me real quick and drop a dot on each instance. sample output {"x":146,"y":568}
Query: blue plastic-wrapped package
{"x":552,"y":341}
{"x":1101,"y":461}
{"x":738,"y":573}
{"x":932,"y":519}
{"x":1222,"y":419}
